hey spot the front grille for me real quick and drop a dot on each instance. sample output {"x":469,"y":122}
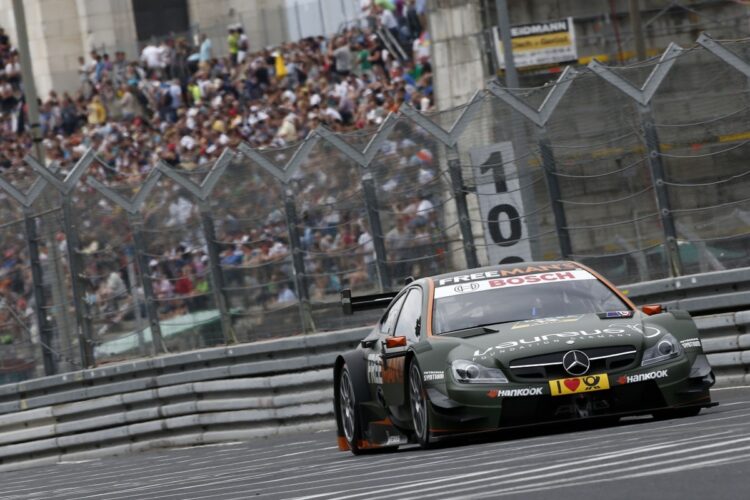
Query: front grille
{"x":549,"y":366}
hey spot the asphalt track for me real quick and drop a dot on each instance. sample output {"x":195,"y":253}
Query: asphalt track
{"x":707,"y":456}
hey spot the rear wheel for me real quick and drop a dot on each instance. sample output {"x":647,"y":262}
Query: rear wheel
{"x":418,"y":404}
{"x":348,"y":420}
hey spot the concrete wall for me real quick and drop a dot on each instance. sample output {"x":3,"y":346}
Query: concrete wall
{"x":62,"y":30}
{"x":456,"y":31}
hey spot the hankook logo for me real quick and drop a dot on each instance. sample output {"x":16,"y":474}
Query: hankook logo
{"x":466,"y":288}
{"x":576,"y":363}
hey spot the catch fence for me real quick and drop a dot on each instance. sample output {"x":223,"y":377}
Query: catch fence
{"x":637,"y":171}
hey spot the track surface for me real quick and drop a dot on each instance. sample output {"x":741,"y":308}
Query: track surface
{"x":707,"y":456}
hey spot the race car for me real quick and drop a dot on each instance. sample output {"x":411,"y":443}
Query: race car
{"x":512,"y":345}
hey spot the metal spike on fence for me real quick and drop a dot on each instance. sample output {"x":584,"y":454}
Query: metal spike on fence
{"x":66,"y":185}
{"x":541,"y":115}
{"x":365,"y":157}
{"x":282,"y":174}
{"x":447,"y":137}
{"x":724,"y":54}
{"x":202,"y":190}
{"x":27,"y":199}
{"x":643,"y":94}
{"x":133,"y":205}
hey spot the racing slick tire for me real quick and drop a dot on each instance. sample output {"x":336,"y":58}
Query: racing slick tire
{"x":346,"y":407}
{"x":691,"y":411}
{"x":418,"y":406}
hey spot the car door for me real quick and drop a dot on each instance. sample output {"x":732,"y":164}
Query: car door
{"x":405,"y":333}
{"x":375,"y":346}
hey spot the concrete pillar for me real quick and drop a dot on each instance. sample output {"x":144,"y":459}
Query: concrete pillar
{"x":456,"y":34}
{"x":458,"y":71}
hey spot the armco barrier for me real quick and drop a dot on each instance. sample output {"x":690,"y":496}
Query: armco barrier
{"x":207,"y":396}
{"x":254,"y":390}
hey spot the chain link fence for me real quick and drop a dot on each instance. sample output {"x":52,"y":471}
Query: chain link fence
{"x":637,"y":171}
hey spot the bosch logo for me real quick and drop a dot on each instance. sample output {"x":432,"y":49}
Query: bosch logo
{"x":466,"y":288}
{"x":576,"y":363}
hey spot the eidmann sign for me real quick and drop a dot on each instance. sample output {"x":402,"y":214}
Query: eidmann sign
{"x":538,"y":44}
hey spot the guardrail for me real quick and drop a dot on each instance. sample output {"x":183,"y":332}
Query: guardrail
{"x":213,"y":395}
{"x":718,"y":291}
{"x":253,"y":390}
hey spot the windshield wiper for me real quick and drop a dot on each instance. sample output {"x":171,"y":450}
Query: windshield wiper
{"x":472,"y":331}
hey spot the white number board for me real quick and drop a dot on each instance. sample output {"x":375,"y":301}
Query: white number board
{"x":500,"y":203}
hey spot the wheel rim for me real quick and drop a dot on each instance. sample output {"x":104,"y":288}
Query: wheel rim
{"x":346,"y":406}
{"x":418,"y":407}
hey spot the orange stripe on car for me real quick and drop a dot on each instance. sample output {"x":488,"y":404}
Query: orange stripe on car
{"x":608,"y":285}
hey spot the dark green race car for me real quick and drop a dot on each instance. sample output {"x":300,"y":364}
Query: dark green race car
{"x":512,"y":345}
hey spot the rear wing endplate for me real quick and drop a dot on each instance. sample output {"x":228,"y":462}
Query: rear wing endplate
{"x":375,"y":301}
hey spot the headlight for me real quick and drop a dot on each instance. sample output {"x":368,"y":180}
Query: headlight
{"x":468,"y":372}
{"x":666,"y":348}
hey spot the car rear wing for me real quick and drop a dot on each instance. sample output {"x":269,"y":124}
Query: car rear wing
{"x":375,"y":301}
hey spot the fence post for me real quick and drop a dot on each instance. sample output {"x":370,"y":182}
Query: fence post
{"x":459,"y":194}
{"x":298,"y":262}
{"x":83,"y":318}
{"x":299,"y":20}
{"x":558,"y":211}
{"x":540,"y":117}
{"x":642,"y":97}
{"x":662,"y":197}
{"x":217,"y":277}
{"x":322,"y":17}
{"x":32,"y":241}
{"x":376,"y":231}
{"x":136,"y":224}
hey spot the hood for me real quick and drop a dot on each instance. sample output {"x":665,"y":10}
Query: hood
{"x":549,"y":335}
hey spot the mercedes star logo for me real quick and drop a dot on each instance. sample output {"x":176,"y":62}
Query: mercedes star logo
{"x":576,"y":363}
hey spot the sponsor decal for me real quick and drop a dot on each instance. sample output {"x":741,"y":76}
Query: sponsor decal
{"x":576,"y":385}
{"x":691,"y":343}
{"x":528,"y":279}
{"x":647,"y":331}
{"x":642,"y":377}
{"x":394,"y":440}
{"x":615,"y":314}
{"x":514,"y":393}
{"x":429,"y":376}
{"x":502,"y":273}
{"x":551,"y":338}
{"x":374,"y":369}
{"x":546,"y":321}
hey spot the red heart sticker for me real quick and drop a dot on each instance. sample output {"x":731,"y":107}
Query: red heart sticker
{"x":572,"y":383}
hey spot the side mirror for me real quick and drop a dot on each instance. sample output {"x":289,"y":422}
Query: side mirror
{"x":393,"y":342}
{"x":652,"y":309}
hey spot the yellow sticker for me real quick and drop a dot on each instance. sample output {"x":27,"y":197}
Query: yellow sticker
{"x":577,"y":385}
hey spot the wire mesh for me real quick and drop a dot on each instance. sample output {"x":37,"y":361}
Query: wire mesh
{"x":291,"y":227}
{"x":256,"y":260}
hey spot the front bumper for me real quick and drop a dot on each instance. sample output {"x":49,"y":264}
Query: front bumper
{"x":483,"y":407}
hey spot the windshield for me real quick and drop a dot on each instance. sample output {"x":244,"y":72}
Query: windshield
{"x":533,"y":296}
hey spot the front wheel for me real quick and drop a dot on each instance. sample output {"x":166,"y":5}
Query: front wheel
{"x":346,"y":408}
{"x":418,"y":404}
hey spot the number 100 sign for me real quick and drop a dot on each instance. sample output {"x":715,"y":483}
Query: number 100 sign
{"x":500,"y":203}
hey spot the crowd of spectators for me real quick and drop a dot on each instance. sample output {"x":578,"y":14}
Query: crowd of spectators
{"x":181,"y":104}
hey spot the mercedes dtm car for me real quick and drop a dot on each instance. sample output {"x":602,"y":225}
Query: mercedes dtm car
{"x":512,"y":345}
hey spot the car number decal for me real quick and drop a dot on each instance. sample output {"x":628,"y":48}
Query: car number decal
{"x":576,"y":385}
